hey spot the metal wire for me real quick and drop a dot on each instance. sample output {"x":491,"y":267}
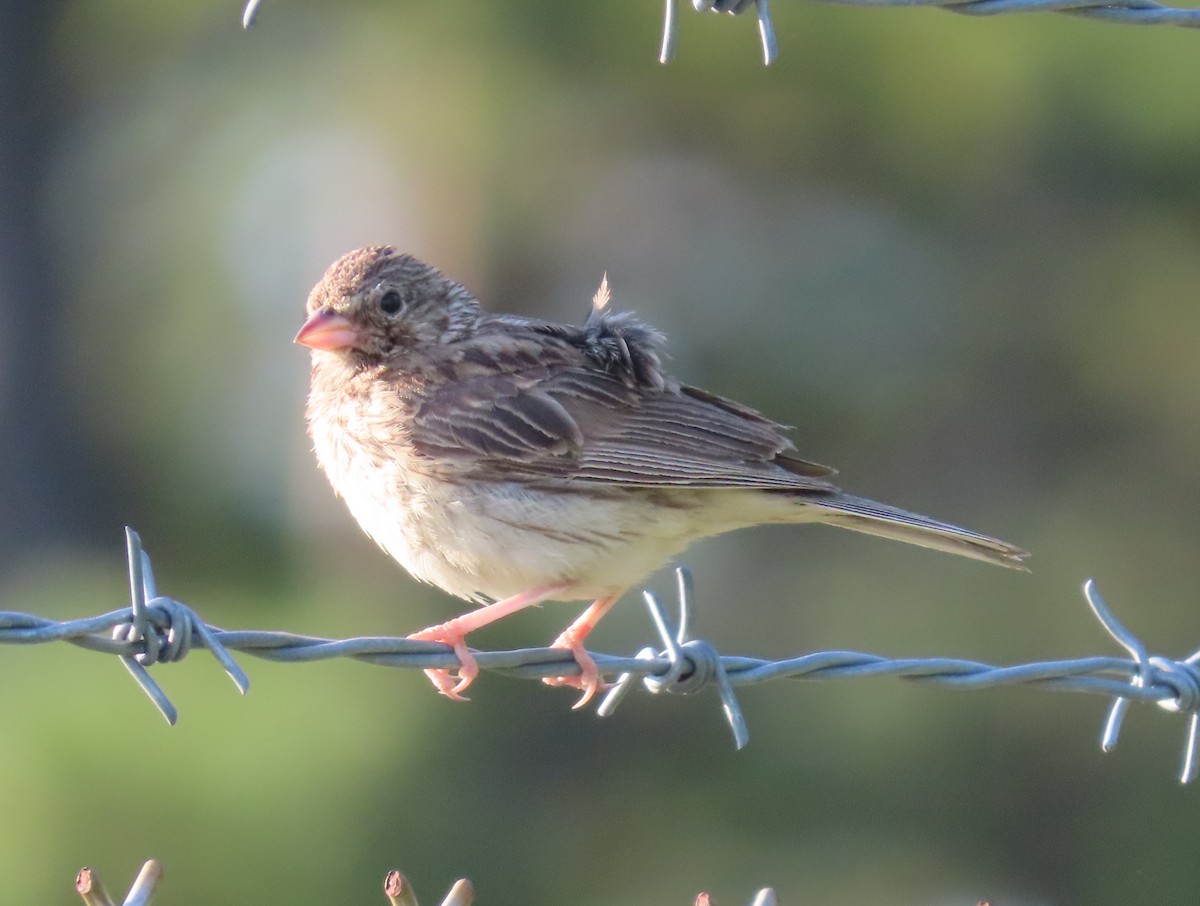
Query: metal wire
{"x":396,"y":888}
{"x":156,"y":629}
{"x":1127,"y":12}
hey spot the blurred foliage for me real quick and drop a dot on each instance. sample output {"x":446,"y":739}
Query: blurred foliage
{"x":958,"y":254}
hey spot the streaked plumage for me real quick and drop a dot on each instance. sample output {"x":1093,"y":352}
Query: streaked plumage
{"x":507,"y":458}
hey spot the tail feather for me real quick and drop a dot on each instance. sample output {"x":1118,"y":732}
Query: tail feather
{"x":861,"y":515}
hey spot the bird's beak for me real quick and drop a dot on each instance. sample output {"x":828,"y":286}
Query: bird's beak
{"x":326,"y":329}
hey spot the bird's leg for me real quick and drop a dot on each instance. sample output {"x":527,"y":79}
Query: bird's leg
{"x":454,"y":633}
{"x":572,"y":638}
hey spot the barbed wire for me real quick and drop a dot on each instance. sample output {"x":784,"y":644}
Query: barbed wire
{"x":158,"y":629}
{"x":396,"y":887}
{"x":1126,"y":12}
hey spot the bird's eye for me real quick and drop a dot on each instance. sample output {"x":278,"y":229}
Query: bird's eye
{"x":390,"y":302}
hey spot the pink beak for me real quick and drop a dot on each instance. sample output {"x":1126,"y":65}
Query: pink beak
{"x":326,"y":329}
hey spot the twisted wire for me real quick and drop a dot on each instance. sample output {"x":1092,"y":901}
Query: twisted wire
{"x":396,"y":888}
{"x":156,"y":629}
{"x":1125,"y":12}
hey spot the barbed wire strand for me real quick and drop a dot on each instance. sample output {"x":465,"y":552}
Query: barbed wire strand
{"x":1126,"y":12}
{"x":159,"y":629}
{"x":396,"y":888}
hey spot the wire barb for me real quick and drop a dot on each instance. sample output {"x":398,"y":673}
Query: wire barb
{"x":1181,"y":676}
{"x":765,"y":897}
{"x":250,"y":13}
{"x":691,"y":663}
{"x":399,"y":891}
{"x":158,"y":629}
{"x":762,"y":8}
{"x":91,"y":889}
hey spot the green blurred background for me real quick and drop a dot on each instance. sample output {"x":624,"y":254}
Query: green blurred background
{"x":960,"y":255}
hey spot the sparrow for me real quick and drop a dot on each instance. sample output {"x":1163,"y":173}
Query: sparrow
{"x":510,"y":461}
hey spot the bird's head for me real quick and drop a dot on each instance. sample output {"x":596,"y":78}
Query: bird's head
{"x":376,"y":301}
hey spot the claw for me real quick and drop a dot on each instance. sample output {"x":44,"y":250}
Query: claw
{"x":447,"y":684}
{"x":454,"y":634}
{"x":589,"y":679}
{"x":443,"y":679}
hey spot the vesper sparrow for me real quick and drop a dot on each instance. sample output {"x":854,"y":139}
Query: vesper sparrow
{"x":511,"y":461}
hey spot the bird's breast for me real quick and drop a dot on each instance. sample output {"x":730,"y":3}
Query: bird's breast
{"x":491,"y":539}
{"x":477,"y":538}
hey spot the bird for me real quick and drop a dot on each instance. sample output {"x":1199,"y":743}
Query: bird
{"x":510,"y":461}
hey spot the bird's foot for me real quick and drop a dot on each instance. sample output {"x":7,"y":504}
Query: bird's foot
{"x":454,"y":633}
{"x":443,"y":679}
{"x":589,"y":679}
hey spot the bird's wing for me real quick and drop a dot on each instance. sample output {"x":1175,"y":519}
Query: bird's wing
{"x":581,"y":423}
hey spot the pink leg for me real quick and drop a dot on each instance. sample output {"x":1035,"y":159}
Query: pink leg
{"x":454,"y":633}
{"x":572,"y":639}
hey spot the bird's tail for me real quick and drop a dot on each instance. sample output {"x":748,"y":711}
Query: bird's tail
{"x":861,"y":515}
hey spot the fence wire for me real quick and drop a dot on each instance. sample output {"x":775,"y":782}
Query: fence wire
{"x":1126,"y":12}
{"x":396,"y":887}
{"x":158,"y":629}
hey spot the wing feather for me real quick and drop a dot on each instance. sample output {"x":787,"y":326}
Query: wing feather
{"x":577,"y":423}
